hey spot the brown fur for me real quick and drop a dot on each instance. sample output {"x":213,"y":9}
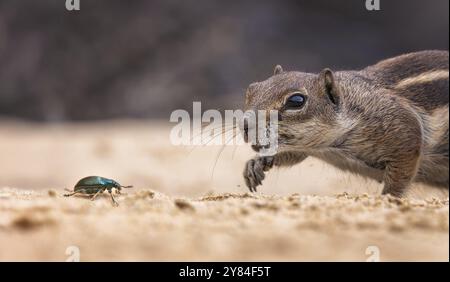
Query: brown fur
{"x":388,"y":122}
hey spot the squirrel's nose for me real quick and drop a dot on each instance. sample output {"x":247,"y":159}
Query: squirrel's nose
{"x":245,"y":130}
{"x":248,"y":124}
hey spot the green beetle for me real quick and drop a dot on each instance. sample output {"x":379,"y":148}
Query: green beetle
{"x":94,"y":185}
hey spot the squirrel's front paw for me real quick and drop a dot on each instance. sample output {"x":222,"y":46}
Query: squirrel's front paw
{"x":254,"y":171}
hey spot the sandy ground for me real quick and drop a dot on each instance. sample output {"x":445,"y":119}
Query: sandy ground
{"x":191,"y":203}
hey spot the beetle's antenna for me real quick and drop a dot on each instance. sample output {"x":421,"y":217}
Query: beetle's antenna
{"x":126,"y":186}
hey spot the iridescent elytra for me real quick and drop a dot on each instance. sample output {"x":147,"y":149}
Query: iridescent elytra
{"x":95,"y":185}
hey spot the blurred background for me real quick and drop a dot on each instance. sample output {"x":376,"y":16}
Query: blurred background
{"x":142,"y":59}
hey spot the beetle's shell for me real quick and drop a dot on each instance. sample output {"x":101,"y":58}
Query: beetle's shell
{"x":91,"y":184}
{"x":93,"y":180}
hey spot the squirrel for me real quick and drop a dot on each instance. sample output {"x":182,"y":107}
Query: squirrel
{"x":387,"y":122}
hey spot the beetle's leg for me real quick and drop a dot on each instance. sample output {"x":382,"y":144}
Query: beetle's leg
{"x":113,"y":200}
{"x":96,"y":194}
{"x":71,"y":194}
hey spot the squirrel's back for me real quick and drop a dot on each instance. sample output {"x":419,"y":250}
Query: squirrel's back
{"x":421,"y":77}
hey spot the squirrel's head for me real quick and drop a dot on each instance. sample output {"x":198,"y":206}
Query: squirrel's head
{"x":307,"y":104}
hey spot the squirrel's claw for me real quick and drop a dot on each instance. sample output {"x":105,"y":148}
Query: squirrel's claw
{"x":254,"y":171}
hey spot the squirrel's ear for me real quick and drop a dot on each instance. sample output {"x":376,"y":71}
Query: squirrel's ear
{"x":278,"y":69}
{"x":329,"y":83}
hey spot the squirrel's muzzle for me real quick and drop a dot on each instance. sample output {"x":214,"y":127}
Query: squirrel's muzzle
{"x":257,"y":129}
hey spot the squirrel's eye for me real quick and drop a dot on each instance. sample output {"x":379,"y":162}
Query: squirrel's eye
{"x":294,"y":102}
